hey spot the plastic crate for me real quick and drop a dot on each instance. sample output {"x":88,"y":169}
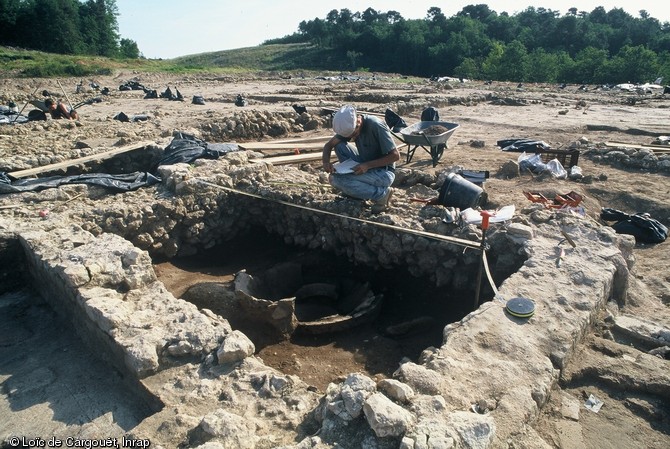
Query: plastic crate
{"x":567,"y":158}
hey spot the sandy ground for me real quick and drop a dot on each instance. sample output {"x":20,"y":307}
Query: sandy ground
{"x":556,"y":116}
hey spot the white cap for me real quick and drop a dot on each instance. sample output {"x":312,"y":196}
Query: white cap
{"x":344,"y":121}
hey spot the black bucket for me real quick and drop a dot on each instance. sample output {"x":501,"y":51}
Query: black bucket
{"x":459,"y":192}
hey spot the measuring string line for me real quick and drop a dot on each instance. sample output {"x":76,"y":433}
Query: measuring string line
{"x":443,"y":238}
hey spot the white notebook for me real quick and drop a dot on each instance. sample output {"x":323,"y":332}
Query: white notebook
{"x":345,"y":166}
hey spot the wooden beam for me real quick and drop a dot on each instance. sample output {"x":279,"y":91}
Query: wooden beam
{"x":326,"y":111}
{"x":631,"y":145}
{"x":293,"y":159}
{"x":279,"y":146}
{"x":82,"y":160}
{"x":323,"y":139}
{"x":653,"y":148}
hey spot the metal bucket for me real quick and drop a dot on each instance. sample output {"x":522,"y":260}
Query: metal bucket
{"x":459,"y":192}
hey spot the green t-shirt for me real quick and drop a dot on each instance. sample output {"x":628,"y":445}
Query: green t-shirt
{"x":375,"y":139}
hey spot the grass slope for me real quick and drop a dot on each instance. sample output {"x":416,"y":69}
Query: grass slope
{"x":276,"y":57}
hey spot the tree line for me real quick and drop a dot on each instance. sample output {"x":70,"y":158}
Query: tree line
{"x":66,"y":27}
{"x":535,"y":45}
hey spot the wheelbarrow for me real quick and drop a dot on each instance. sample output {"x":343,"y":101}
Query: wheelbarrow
{"x":419,"y":135}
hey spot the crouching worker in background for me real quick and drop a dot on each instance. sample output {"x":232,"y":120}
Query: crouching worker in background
{"x":366,"y":153}
{"x":59,"y":110}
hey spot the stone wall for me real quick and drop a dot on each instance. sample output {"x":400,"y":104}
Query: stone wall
{"x":214,"y":201}
{"x":108,"y":290}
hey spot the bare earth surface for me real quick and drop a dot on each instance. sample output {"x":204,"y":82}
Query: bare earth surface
{"x":605,"y":365}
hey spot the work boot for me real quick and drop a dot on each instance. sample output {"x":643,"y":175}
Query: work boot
{"x":382,"y":204}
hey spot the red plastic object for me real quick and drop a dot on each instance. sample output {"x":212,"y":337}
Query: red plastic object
{"x":571,"y":199}
{"x":485,"y":218}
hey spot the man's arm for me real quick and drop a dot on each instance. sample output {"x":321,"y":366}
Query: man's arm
{"x":327,"y":150}
{"x":387,"y":159}
{"x":64,"y":111}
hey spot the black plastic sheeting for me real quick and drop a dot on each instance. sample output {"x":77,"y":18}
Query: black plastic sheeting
{"x":641,"y":226}
{"x":117,"y":183}
{"x":184,"y":148}
{"x":394,"y":121}
{"x":187,"y":148}
{"x":523,"y":145}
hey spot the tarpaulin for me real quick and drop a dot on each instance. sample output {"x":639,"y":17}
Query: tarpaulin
{"x":184,"y":148}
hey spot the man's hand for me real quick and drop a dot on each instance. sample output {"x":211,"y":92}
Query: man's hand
{"x":327,"y":167}
{"x":360,"y":168}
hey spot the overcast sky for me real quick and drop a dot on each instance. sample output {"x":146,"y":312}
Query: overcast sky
{"x":171,"y":28}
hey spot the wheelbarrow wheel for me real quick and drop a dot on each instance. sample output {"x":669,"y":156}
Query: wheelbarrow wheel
{"x":437,"y":152}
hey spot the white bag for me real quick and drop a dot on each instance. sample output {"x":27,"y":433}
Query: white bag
{"x":556,"y":169}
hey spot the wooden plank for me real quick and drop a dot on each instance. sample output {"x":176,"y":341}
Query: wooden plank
{"x":297,"y":158}
{"x":82,"y":160}
{"x":293,"y":159}
{"x":632,"y":145}
{"x":326,"y":111}
{"x":279,"y":146}
{"x":323,"y":139}
{"x":656,"y":149}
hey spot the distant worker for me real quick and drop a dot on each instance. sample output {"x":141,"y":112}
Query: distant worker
{"x":372,"y":155}
{"x":59,"y":110}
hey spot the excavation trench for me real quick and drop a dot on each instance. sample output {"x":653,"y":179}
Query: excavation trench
{"x":54,"y":376}
{"x":407,"y":315}
{"x":155,"y":291}
{"x":325,"y":342}
{"x":416,"y":284}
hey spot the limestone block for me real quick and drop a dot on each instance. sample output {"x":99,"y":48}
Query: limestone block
{"x":230,"y":430}
{"x":141,"y":356}
{"x":476,"y":431}
{"x":509,"y":169}
{"x":353,"y":400}
{"x":360,"y":382}
{"x":396,"y":390}
{"x":385,"y":417}
{"x":520,"y":230}
{"x":77,"y":274}
{"x":105,"y":307}
{"x":338,"y":409}
{"x":642,"y":330}
{"x":432,"y":433}
{"x":235,"y":348}
{"x":420,"y":378}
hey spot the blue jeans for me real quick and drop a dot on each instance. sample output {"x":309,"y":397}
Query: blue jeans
{"x":371,"y":185}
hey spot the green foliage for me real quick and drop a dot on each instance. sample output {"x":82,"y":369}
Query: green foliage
{"x":537,"y":44}
{"x":589,"y":66}
{"x":633,"y":65}
{"x":542,"y":67}
{"x":467,"y":69}
{"x":273,"y":57}
{"x":63,"y":68}
{"x":128,"y":49}
{"x":64,"y":26}
{"x":28,"y":63}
